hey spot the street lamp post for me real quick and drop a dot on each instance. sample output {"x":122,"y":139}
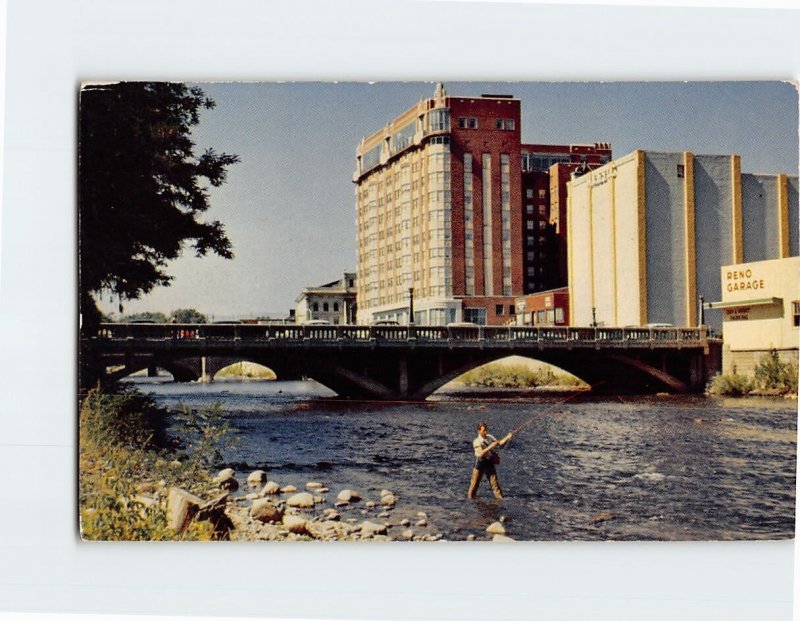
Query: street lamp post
{"x":702,"y":312}
{"x":410,"y":305}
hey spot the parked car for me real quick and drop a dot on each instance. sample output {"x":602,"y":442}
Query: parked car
{"x":317,"y":322}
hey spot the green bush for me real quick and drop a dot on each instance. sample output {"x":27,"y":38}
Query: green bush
{"x":774,"y":375}
{"x":730,"y":384}
{"x":123,"y":451}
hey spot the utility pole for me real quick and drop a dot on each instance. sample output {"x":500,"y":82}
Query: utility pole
{"x":410,"y":305}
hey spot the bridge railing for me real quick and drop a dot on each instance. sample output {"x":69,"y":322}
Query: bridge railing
{"x":542,"y":335}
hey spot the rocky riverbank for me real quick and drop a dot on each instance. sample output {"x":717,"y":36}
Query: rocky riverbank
{"x":264,"y":510}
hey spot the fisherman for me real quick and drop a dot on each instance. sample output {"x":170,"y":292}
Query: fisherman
{"x":485,"y":460}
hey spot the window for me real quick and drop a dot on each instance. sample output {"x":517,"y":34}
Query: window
{"x":475,"y":315}
{"x":468,"y":122}
{"x":507,"y":124}
{"x":439,"y":120}
{"x":440,"y":140}
{"x":681,"y":171}
{"x":542,"y":210}
{"x":325,"y":307}
{"x":336,"y":307}
{"x":529,"y":209}
{"x":498,"y":309}
{"x":529,"y":193}
{"x":512,"y":310}
{"x":796,"y":313}
{"x":559,"y":315}
{"x":542,"y":194}
{"x":316,"y":307}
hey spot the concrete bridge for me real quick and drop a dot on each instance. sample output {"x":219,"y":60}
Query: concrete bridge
{"x":405,"y":362}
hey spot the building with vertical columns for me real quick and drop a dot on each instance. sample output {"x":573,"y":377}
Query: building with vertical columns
{"x":649,"y":232}
{"x":453,"y":209}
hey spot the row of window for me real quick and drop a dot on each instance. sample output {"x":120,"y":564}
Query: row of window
{"x":325,"y":307}
{"x":471,"y":122}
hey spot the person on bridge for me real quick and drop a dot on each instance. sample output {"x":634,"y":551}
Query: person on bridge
{"x":486,"y":458}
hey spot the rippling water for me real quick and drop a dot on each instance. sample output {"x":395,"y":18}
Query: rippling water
{"x":672,"y":468}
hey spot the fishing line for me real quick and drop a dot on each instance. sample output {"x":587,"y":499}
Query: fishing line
{"x":552,"y":408}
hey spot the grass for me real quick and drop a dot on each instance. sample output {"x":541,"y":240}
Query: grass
{"x":126,"y":467}
{"x":510,"y":375}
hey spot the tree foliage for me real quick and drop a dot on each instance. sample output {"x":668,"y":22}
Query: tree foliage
{"x":189,"y":315}
{"x":142,"y":189}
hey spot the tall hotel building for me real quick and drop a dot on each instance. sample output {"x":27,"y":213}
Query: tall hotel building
{"x":452,"y":206}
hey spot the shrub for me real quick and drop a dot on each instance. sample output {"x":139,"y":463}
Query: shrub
{"x":774,"y":375}
{"x":730,"y":384}
{"x":122,"y":445}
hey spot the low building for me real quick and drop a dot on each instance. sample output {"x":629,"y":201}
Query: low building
{"x":760,"y":311}
{"x":546,"y":308}
{"x":334,"y":302}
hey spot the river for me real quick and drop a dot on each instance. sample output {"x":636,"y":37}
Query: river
{"x":590,"y":468}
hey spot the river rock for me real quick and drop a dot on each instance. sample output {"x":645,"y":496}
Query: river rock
{"x":499,"y":537}
{"x":470,"y":537}
{"x":405,"y":522}
{"x":295,"y":524}
{"x":422,"y":523}
{"x":388,"y":500}
{"x":225,"y":479}
{"x":270,"y":488}
{"x":422,"y":514}
{"x":182,"y":506}
{"x":383,"y":514}
{"x":264,"y":511}
{"x":251,"y":496}
{"x":348,"y":495}
{"x":288,"y":489}
{"x":304,"y":500}
{"x":370,"y":529}
{"x":319,"y":500}
{"x":331,"y":515}
{"x":312,"y":485}
{"x":407,"y":534}
{"x":385,"y":492}
{"x":256,"y":478}
{"x":370,"y":505}
{"x":496,"y":528}
{"x":322,"y":490}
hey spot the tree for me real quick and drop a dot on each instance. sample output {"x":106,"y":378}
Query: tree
{"x":141,"y":188}
{"x":189,"y":315}
{"x":156,"y":317}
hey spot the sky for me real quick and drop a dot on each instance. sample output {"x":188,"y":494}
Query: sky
{"x":289,"y":206}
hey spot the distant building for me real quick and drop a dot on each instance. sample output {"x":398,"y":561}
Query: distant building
{"x":451,"y":204}
{"x":334,"y":302}
{"x":760,"y":309}
{"x":546,"y":308}
{"x":649,"y":232}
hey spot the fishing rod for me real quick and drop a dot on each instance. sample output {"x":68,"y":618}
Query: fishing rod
{"x":550,"y":409}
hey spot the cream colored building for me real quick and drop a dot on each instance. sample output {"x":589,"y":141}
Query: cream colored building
{"x":760,"y":310}
{"x":334,"y":302}
{"x":649,"y":232}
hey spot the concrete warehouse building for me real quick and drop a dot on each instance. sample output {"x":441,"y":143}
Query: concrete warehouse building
{"x":649,"y":232}
{"x":452,"y":209}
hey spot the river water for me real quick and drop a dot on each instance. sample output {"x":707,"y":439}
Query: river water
{"x":590,"y":468}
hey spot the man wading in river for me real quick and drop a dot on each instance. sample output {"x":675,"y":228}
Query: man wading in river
{"x":485,"y":460}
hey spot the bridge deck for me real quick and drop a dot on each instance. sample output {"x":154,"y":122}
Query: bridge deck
{"x":211,"y":336}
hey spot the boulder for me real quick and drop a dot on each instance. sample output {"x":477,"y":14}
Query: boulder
{"x":224,"y":475}
{"x":384,"y":514}
{"x":319,"y":500}
{"x":322,"y":490}
{"x":256,"y":478}
{"x":270,"y":489}
{"x":370,"y":505}
{"x":385,"y":492}
{"x":288,"y":489}
{"x":348,"y":495}
{"x":470,"y":537}
{"x":370,"y":529}
{"x":388,"y":500}
{"x":264,"y":511}
{"x":405,"y":522}
{"x":407,"y":534}
{"x":295,"y":524}
{"x":422,"y":514}
{"x":422,"y":523}
{"x":331,"y":515}
{"x":312,"y":485}
{"x":304,"y":500}
{"x":496,"y":528}
{"x":501,"y":538}
{"x":182,"y":506}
